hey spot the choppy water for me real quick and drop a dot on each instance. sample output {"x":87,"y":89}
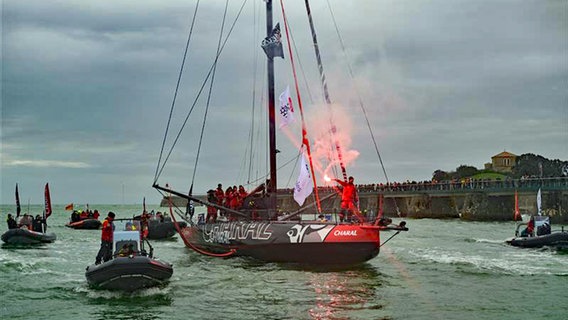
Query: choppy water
{"x":440,"y":269}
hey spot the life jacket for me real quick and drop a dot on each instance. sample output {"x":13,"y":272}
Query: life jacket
{"x":108,"y":228}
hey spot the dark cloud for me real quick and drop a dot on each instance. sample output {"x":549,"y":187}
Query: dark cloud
{"x":87,"y":86}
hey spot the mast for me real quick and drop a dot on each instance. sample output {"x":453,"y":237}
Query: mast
{"x":325,"y":91}
{"x":271,"y":112}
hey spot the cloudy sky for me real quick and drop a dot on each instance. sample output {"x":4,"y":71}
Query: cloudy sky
{"x":87,"y":87}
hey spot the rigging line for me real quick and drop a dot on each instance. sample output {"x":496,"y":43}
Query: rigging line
{"x":351,"y":74}
{"x":189,"y":244}
{"x":253,"y":107}
{"x":201,"y":90}
{"x":325,"y":91}
{"x":292,"y":171}
{"x":209,"y":96}
{"x":305,"y":139}
{"x":356,"y":89}
{"x":177,"y":89}
{"x":302,"y":70}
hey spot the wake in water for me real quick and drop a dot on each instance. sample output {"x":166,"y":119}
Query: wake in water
{"x":509,"y":261}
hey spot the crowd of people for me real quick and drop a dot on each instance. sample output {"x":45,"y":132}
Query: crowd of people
{"x":232,"y":198}
{"x":453,"y":184}
{"x":78,"y":215}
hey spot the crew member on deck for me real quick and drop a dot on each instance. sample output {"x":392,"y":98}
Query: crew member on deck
{"x":220,"y":195}
{"x":105,"y":252}
{"x":349,"y":199}
{"x":211,"y":211}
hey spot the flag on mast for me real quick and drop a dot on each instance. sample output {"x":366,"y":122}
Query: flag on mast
{"x":304,"y":184}
{"x":517,"y":212}
{"x":18,"y":207}
{"x":286,"y":108}
{"x":272,"y":45}
{"x":47,"y":201}
{"x":539,"y":202}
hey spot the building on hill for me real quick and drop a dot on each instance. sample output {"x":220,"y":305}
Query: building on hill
{"x":502,"y":162}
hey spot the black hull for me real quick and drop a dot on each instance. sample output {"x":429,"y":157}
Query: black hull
{"x":288,"y":242}
{"x":129,"y":273}
{"x":162,"y":230}
{"x":27,"y":237}
{"x":557,"y":240}
{"x":85,"y":224}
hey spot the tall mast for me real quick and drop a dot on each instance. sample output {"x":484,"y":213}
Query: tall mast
{"x":271,"y":109}
{"x":325,"y":91}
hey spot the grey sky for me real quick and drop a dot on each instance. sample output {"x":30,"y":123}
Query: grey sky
{"x":87,"y":86}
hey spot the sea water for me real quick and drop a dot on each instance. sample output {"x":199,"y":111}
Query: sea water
{"x":440,"y":269}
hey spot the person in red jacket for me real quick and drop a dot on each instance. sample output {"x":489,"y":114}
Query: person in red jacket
{"x":105,"y":252}
{"x":220,"y":196}
{"x":349,"y":199}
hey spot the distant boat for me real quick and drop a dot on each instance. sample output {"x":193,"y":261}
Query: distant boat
{"x":85,"y":224}
{"x":159,"y":225}
{"x":23,"y":235}
{"x":132,"y":267}
{"x":162,"y":228}
{"x":538,"y":233}
{"x":90,"y":221}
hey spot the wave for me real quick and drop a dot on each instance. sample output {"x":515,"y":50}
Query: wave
{"x":516,"y":262}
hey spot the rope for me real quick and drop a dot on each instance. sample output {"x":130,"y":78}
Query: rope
{"x":193,"y":247}
{"x":305,"y":140}
{"x":176,"y":90}
{"x":325,"y":91}
{"x":210,"y":72}
{"x":351,"y":74}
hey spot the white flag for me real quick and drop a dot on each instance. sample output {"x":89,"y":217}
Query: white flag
{"x":304,"y":185}
{"x":286,"y":109}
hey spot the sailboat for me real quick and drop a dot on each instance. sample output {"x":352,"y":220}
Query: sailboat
{"x":257,"y":229}
{"x":31,"y":232}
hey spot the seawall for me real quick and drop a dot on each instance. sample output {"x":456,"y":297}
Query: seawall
{"x":486,"y":202}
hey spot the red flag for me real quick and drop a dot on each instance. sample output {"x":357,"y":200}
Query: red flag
{"x":47,"y":201}
{"x":69,"y":207}
{"x":517,"y":212}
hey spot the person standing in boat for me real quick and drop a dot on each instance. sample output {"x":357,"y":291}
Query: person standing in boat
{"x":38,"y":223}
{"x":105,"y":252}
{"x":12,"y":224}
{"x":220,"y":195}
{"x":26,"y":221}
{"x":529,"y":230}
{"x":349,"y":199}
{"x":211,"y":211}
